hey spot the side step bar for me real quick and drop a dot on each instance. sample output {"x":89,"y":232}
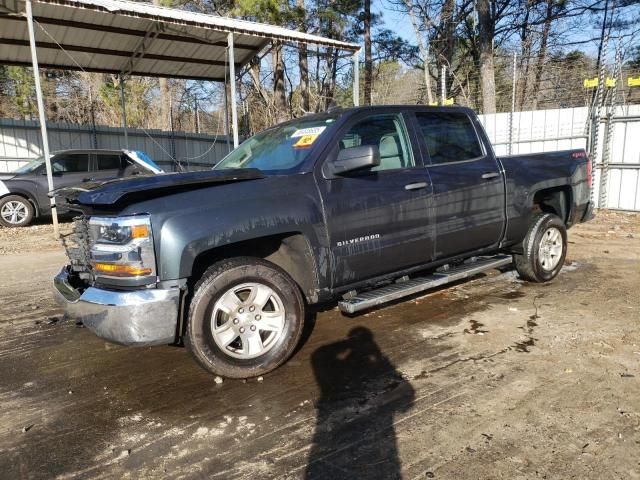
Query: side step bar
{"x":388,"y":293}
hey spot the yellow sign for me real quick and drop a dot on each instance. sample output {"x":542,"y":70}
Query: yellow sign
{"x":447,"y":101}
{"x":590,"y":82}
{"x":633,"y":82}
{"x":306,"y":141}
{"x":610,"y":82}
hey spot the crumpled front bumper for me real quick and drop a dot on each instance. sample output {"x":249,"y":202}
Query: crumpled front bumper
{"x":136,"y":317}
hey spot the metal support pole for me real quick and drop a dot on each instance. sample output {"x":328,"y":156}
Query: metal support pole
{"x":94,"y":134}
{"x":603,"y":197}
{"x":124,"y":113}
{"x":197,"y":116}
{"x":513,"y":103}
{"x":595,"y":129}
{"x":226,"y":117}
{"x":41,"y":114}
{"x":232,"y":84}
{"x":172,"y":137}
{"x":443,"y":84}
{"x":356,"y":79}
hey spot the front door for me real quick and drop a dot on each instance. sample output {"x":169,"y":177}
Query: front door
{"x":468,"y":184}
{"x":377,"y":219}
{"x":68,"y":169}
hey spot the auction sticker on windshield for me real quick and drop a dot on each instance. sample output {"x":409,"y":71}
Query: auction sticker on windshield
{"x":307,"y":136}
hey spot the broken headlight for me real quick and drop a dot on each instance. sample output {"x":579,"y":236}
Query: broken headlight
{"x":122,"y":247}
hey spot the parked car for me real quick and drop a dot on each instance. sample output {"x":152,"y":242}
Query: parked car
{"x":363,"y":206}
{"x":24,"y":192}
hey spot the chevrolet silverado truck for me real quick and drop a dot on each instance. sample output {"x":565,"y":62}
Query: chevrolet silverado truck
{"x":363,"y":206}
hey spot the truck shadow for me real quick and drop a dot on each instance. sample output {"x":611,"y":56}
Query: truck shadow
{"x":360,"y":392}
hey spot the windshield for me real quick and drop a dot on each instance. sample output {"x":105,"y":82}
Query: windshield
{"x":281,"y":149}
{"x":30,"y":167}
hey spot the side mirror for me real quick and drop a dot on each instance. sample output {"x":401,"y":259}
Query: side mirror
{"x":355,"y":158}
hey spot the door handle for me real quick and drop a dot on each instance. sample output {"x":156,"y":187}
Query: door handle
{"x":489,"y":175}
{"x":415,"y":186}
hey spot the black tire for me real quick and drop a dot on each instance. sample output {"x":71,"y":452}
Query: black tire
{"x":25,"y":208}
{"x":220,"y":279}
{"x":529,"y":264}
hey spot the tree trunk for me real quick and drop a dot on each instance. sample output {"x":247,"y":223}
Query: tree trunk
{"x":303,"y":60}
{"x":447,"y":27}
{"x":279,"y":94}
{"x":526,"y":41}
{"x":368,"y":62}
{"x":542,"y":54}
{"x":487,"y":67}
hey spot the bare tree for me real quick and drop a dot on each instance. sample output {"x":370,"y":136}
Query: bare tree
{"x":303,"y":60}
{"x":486,"y":33}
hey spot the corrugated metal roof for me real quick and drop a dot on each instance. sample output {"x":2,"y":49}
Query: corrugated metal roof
{"x":114,"y":36}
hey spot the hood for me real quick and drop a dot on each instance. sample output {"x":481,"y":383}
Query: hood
{"x":141,"y":159}
{"x":7,"y":176}
{"x":120,"y":192}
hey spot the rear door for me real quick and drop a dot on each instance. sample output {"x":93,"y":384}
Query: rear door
{"x":468,"y":185}
{"x":107,"y":166}
{"x":377,"y":219}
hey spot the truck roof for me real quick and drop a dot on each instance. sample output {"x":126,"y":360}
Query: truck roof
{"x":87,"y":150}
{"x":339,"y":111}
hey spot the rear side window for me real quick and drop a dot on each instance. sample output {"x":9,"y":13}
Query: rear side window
{"x":449,"y":136}
{"x":76,"y":162}
{"x":109,"y":162}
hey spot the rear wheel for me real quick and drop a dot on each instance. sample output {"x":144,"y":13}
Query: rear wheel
{"x":245,"y":319}
{"x":544,"y":249}
{"x":15,"y":211}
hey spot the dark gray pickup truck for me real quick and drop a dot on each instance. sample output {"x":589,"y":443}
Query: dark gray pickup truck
{"x":363,"y":206}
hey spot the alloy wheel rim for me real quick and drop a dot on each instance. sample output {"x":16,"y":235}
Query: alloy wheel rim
{"x":14,"y":212}
{"x":248,"y":320}
{"x":550,"y":249}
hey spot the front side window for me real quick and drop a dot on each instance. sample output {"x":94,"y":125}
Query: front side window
{"x":387,"y":132}
{"x":72,"y":163}
{"x":281,"y":149}
{"x":449,"y":136}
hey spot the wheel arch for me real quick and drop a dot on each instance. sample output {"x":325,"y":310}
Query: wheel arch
{"x":291,"y":251}
{"x":556,"y":200}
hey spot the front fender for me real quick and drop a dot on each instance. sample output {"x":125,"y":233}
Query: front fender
{"x":237,"y":215}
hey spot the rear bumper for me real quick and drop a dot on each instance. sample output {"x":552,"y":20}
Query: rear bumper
{"x":138,"y":317}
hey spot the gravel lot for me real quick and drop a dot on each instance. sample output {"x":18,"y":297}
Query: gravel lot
{"x":492,"y":378}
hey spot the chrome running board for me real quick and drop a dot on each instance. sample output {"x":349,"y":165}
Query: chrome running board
{"x":388,"y":293}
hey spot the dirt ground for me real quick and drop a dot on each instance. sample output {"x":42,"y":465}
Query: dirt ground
{"x":492,"y":378}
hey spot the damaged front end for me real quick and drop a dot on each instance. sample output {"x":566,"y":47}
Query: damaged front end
{"x":110,"y":283}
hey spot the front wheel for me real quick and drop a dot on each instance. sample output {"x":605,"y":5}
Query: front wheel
{"x":544,"y":249}
{"x":245,"y":319}
{"x":15,"y":211}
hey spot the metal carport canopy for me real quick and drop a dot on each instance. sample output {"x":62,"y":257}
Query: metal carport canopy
{"x":134,"y":38}
{"x":119,"y":36}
